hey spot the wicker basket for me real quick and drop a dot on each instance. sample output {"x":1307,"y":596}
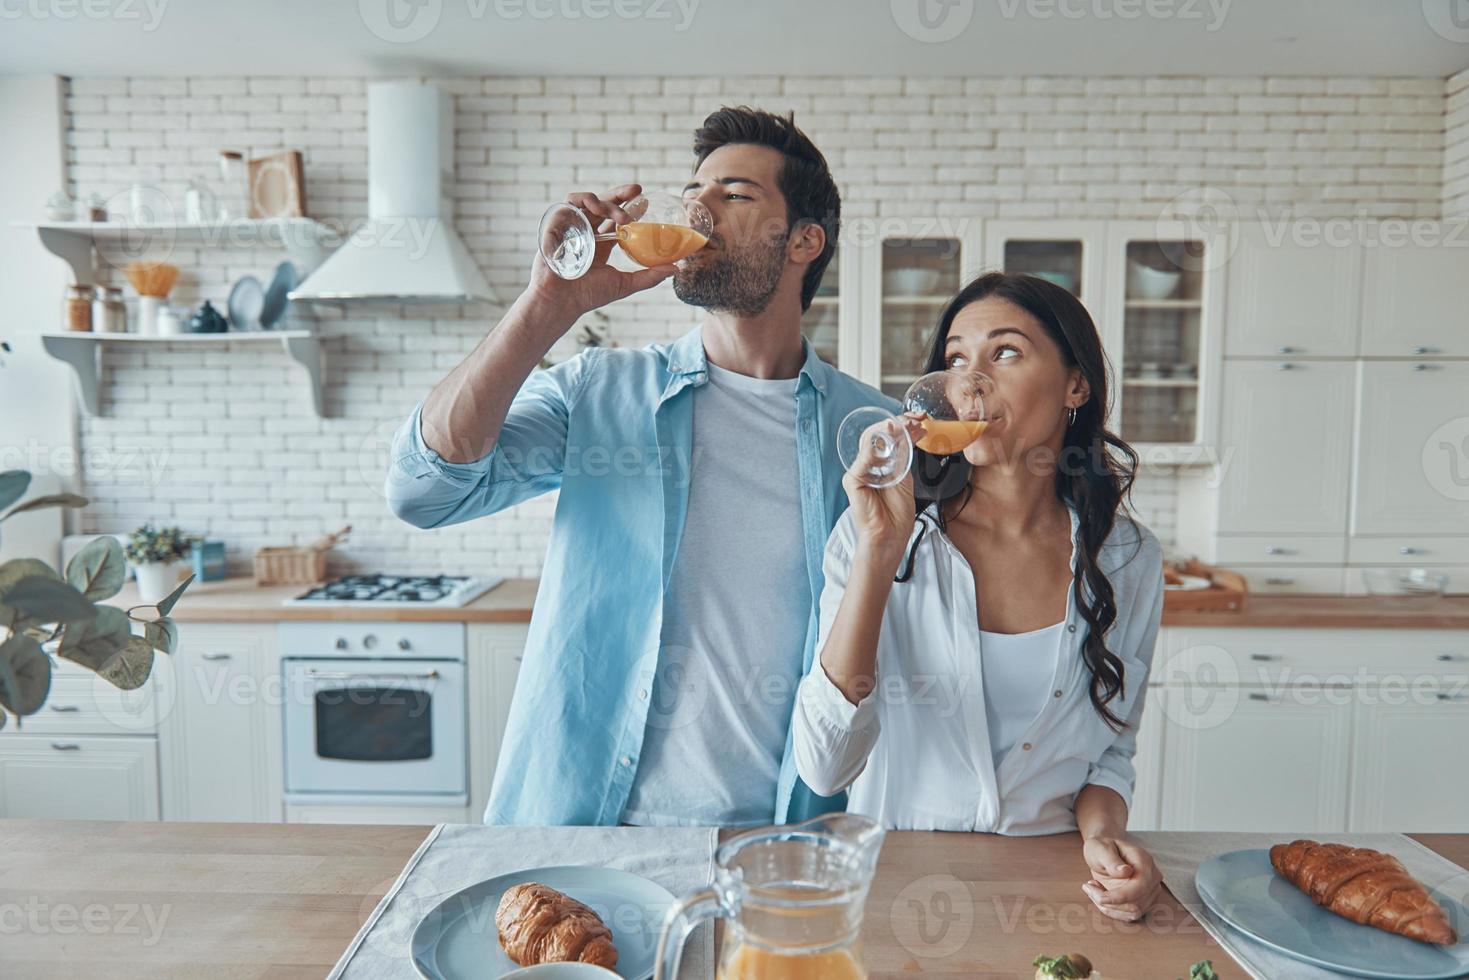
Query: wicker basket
{"x":296,"y":564}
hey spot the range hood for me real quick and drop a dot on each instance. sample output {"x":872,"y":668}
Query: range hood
{"x":407,"y":251}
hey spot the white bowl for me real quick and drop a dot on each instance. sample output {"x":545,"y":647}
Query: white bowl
{"x":1145,"y":282}
{"x":561,"y":971}
{"x":910,"y":282}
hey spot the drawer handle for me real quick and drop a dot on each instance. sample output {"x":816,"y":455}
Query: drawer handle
{"x":1280,"y":581}
{"x":1263,"y":697}
{"x":1425,"y":350}
{"x":1453,"y":697}
{"x":1286,"y":366}
{"x":1277,"y":550}
{"x":1408,"y":550}
{"x":1287,"y":350}
{"x":1447,"y":658}
{"x":65,"y":746}
{"x":65,"y":708}
{"x":1425,"y":367}
{"x":1267,"y":657}
{"x":216,"y":656}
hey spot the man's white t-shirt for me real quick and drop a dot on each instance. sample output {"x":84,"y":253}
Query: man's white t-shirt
{"x":734,"y":618}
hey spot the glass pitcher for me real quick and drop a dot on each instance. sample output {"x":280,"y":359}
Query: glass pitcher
{"x":793,"y":896}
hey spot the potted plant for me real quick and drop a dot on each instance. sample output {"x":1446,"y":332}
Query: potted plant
{"x":155,"y":554}
{"x":43,"y":614}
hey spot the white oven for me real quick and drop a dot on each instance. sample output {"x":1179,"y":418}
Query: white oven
{"x":375,"y":713}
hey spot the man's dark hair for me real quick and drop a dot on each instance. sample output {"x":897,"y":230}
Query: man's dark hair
{"x":805,"y":180}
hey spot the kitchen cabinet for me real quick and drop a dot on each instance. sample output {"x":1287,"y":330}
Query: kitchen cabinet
{"x":220,"y":723}
{"x":95,"y":777}
{"x":1411,"y":466}
{"x":1069,"y":253}
{"x":1147,"y":793}
{"x":906,"y":282}
{"x":1285,"y":452}
{"x":1291,"y":297}
{"x":1415,"y":297}
{"x":1398,"y":778}
{"x":495,"y":652}
{"x":1224,"y":768}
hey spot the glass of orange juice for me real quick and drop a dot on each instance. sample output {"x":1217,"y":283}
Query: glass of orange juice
{"x":952,"y":406}
{"x":664,"y":229}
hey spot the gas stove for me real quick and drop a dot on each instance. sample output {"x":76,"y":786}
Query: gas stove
{"x":362,"y":591}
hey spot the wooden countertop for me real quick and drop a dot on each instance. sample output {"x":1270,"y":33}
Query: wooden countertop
{"x":241,"y":600}
{"x":235,"y":901}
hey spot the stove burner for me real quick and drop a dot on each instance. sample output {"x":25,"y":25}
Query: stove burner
{"x":387,"y":588}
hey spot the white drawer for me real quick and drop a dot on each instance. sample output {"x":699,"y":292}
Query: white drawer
{"x":1275,"y":657}
{"x":1279,"y":549}
{"x":1292,"y":578}
{"x":1356,"y":581}
{"x":1440,"y":550}
{"x":81,"y":703}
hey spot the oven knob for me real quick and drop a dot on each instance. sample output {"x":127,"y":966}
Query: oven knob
{"x":404,"y":644}
{"x":341,"y":643}
{"x":369,"y":641}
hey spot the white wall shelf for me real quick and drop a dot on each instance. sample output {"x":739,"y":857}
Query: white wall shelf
{"x":82,"y":351}
{"x":76,"y":242}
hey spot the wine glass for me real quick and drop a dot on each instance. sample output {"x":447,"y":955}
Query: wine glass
{"x":953,"y":406}
{"x":664,"y":229}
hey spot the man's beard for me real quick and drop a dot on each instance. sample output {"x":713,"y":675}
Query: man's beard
{"x":738,"y":283}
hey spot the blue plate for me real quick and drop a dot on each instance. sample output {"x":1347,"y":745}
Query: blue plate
{"x":458,"y":939}
{"x":1242,"y":888}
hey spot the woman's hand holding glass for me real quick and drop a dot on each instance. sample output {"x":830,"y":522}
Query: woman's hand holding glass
{"x":883,"y":514}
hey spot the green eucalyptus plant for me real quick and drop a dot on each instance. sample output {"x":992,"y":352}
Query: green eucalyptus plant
{"x":42,"y":611}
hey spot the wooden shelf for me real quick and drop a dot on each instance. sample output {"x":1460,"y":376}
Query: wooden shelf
{"x":305,"y":240}
{"x":82,"y":352}
{"x":915,"y":300}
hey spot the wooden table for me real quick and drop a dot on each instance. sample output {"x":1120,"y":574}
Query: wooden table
{"x":281,"y":901}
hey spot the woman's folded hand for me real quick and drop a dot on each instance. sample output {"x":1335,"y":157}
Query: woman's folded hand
{"x":1126,"y":882}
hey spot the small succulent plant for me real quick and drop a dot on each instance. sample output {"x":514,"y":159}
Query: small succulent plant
{"x":149,"y":544}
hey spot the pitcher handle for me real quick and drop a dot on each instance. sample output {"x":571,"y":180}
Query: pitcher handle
{"x":681,"y":919}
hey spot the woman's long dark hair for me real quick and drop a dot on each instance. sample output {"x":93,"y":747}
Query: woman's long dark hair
{"x":1094,"y":472}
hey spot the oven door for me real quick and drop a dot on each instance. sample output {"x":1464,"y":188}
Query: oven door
{"x":375,"y":728}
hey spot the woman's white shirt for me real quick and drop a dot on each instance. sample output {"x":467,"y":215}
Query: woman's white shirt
{"x":916,"y":753}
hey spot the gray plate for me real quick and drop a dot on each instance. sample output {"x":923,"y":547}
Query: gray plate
{"x":458,"y":939}
{"x":277,"y":295}
{"x":1242,"y":888}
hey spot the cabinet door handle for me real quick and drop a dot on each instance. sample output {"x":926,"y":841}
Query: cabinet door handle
{"x":65,"y":746}
{"x":1266,"y":657}
{"x":1263,"y":697}
{"x":1277,"y":550}
{"x":1280,"y":581}
{"x":65,"y":708}
{"x":1286,"y":366}
{"x":1425,"y":350}
{"x":1287,"y":350}
{"x":1409,"y":550}
{"x":1457,"y":698}
{"x":216,"y":656}
{"x":1425,"y":367}
{"x":1447,"y":658}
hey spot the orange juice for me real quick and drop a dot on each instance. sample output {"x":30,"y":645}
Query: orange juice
{"x":754,"y":963}
{"x":651,"y":243}
{"x":943,"y":437}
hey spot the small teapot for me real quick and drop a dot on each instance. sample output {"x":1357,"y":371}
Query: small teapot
{"x":208,"y":320}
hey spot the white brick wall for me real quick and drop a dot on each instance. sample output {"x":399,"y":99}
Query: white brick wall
{"x":1456,"y":145}
{"x":240,"y":456}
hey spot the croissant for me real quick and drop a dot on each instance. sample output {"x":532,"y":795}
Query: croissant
{"x":538,"y":924}
{"x":1365,"y":886}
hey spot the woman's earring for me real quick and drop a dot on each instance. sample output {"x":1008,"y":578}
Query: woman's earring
{"x":1071,"y":416}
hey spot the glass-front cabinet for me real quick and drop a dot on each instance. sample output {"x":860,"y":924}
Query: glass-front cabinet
{"x":916,"y":278}
{"x":1068,"y":253}
{"x":822,"y":323}
{"x":1163,"y":315}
